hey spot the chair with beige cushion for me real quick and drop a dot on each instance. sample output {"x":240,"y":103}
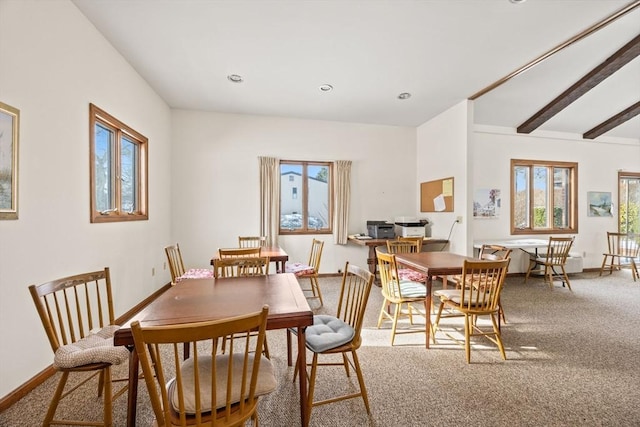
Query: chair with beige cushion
{"x":481,"y":297}
{"x":398,"y":293}
{"x":552,"y":263}
{"x":623,"y":251}
{"x":209,"y":388}
{"x":252,"y":241}
{"x":176,"y":266}
{"x":77,"y":315}
{"x":309,"y":270}
{"x":339,"y":335}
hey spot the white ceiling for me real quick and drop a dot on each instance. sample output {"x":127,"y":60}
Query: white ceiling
{"x":441,"y":51}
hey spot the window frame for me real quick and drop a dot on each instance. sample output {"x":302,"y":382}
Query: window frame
{"x":624,"y":211}
{"x":97,"y":116}
{"x":572,"y":197}
{"x":303,"y":193}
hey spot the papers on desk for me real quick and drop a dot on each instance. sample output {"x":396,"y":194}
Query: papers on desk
{"x":360,"y":237}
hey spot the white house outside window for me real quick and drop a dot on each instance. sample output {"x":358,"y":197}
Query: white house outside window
{"x":308,"y":210}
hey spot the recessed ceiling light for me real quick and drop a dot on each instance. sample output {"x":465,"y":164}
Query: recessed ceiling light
{"x":326,"y":88}
{"x":235,"y":78}
{"x":517,"y":1}
{"x":404,"y":95}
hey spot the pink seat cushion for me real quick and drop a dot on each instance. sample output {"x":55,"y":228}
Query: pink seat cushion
{"x":299,"y":269}
{"x":196,"y":273}
{"x":412,"y":275}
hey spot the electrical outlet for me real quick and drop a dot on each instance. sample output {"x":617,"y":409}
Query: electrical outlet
{"x":459,"y":219}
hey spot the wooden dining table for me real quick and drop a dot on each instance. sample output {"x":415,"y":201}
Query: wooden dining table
{"x":433,"y":264}
{"x":198,"y":300}
{"x":276,"y":255}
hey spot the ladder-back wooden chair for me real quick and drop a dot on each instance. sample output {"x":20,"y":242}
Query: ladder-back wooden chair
{"x":400,"y":293}
{"x":481,"y":298}
{"x":405,"y":245}
{"x":552,"y":263}
{"x":339,"y":334}
{"x":239,"y":252}
{"x":252,"y":241}
{"x":310,"y":270}
{"x":241,"y":266}
{"x":176,"y":266}
{"x":77,"y":315}
{"x":624,"y":251}
{"x":209,"y":388}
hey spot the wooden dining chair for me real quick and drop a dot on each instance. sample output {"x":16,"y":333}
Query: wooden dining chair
{"x":252,"y":241}
{"x":209,"y":388}
{"x":480,"y":298}
{"x":340,"y":334}
{"x":552,"y":263}
{"x":241,"y":266}
{"x":405,"y":245}
{"x":77,"y":316}
{"x":398,"y":293}
{"x":623,"y":251}
{"x":176,"y":266}
{"x":310,"y":270}
{"x":239,"y":252}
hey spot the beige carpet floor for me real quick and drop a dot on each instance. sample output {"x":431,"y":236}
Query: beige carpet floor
{"x":573,"y":359}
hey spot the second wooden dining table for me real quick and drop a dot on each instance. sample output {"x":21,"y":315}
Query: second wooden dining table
{"x":433,"y":264}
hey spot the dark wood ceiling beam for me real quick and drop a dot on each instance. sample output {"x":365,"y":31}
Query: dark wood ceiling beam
{"x":616,"y":61}
{"x":617,"y":120}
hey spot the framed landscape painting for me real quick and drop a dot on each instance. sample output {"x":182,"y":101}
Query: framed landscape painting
{"x":599,"y":203}
{"x":9,"y":130}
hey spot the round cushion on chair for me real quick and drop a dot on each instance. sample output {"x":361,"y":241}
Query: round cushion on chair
{"x":328,"y":332}
{"x":94,"y":348}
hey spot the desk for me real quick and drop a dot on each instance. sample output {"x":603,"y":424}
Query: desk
{"x":433,"y":264}
{"x":372,"y":244}
{"x":198,"y":300}
{"x":275,"y":254}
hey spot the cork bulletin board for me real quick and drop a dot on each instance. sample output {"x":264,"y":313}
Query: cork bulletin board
{"x":437,"y":196}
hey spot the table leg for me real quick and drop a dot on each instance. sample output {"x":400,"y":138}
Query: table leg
{"x":302,"y":375}
{"x":132,"y":392}
{"x":427,"y":308}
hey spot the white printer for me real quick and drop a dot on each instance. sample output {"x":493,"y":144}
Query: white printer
{"x":411,"y":227}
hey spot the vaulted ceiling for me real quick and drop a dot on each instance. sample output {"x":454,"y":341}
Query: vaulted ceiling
{"x":539,"y":65}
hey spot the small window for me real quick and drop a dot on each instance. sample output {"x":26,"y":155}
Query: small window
{"x":543,"y":197}
{"x":308,"y":210}
{"x":628,"y":202}
{"x":118,"y":167}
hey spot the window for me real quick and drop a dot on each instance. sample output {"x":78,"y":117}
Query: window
{"x":305,"y":197}
{"x":543,"y":197}
{"x":118,"y":167}
{"x":629,"y":202}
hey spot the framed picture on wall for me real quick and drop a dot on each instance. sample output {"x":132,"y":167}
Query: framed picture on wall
{"x":487,"y":203}
{"x":9,"y":127}
{"x":599,"y":203}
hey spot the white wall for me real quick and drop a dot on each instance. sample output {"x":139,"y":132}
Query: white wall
{"x":442,"y":152}
{"x":215,"y":179}
{"x":53,"y":63}
{"x":598,"y":165}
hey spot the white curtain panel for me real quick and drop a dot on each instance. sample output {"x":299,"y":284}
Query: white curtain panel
{"x":269,"y":199}
{"x":342,"y":194}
